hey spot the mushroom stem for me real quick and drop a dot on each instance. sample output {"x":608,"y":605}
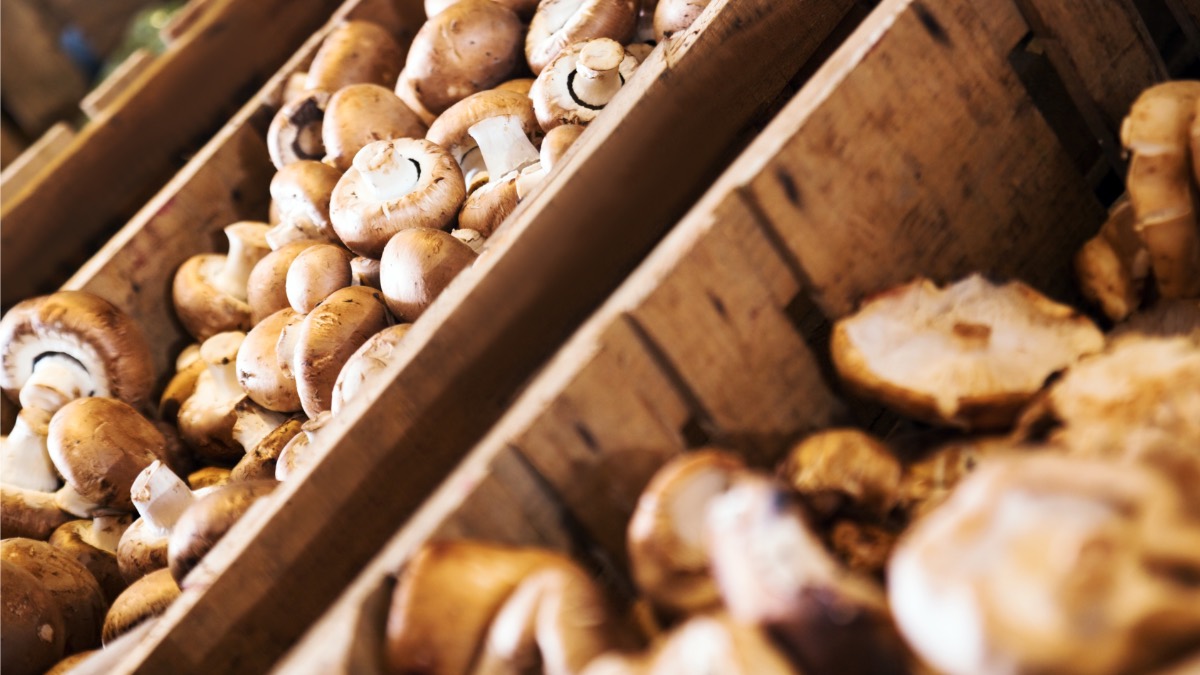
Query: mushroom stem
{"x":244,"y":253}
{"x":254,"y":423}
{"x":105,"y":532}
{"x":389,"y":174}
{"x":69,"y":500}
{"x":220,"y":354}
{"x":504,"y":145}
{"x":597,"y":76}
{"x":25,"y":461}
{"x":57,"y":379}
{"x":160,"y":497}
{"x":474,"y":169}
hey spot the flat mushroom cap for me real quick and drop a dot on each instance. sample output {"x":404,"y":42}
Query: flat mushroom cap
{"x":92,"y":331}
{"x":329,"y":335}
{"x":417,"y":265}
{"x":145,"y":599}
{"x":355,"y":52}
{"x":31,"y":625}
{"x":364,"y":113}
{"x":365,"y":363}
{"x":970,"y":355}
{"x":100,"y":445}
{"x":422,"y":186}
{"x":1047,"y":563}
{"x":207,"y":520}
{"x":561,"y":23}
{"x":561,"y":95}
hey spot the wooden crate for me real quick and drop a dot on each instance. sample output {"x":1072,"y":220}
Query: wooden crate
{"x":61,"y":215}
{"x":916,"y":149}
{"x":629,"y":178}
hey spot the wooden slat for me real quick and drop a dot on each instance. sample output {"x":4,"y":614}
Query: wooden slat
{"x":12,"y":143}
{"x":646,"y":160}
{"x":48,"y":224}
{"x":117,"y":83}
{"x":40,"y":84}
{"x":36,"y":158}
{"x":102,"y":24}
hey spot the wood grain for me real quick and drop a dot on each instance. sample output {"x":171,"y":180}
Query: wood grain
{"x":36,"y":158}
{"x":117,"y":82}
{"x":41,"y":85}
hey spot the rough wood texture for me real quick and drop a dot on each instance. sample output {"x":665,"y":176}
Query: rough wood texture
{"x":488,"y":331}
{"x":40,"y":83}
{"x":12,"y":142}
{"x":36,"y":158}
{"x":117,"y":83}
{"x":102,"y":24}
{"x":124,"y":155}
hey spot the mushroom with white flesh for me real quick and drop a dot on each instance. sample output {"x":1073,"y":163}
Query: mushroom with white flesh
{"x":560,"y":24}
{"x":675,"y":16}
{"x":471,"y":46}
{"x":969,"y":356}
{"x":160,"y":497}
{"x":315,"y":274}
{"x":364,"y":113}
{"x":295,"y":131}
{"x":394,"y":185}
{"x":207,"y":520}
{"x":1048,"y":563}
{"x":355,"y":52}
{"x":364,"y":271}
{"x":1113,"y":266}
{"x":841,"y":470}
{"x":554,"y":146}
{"x":71,"y":586}
{"x":25,"y":465}
{"x":266,"y":289}
{"x":328,"y":336}
{"x":580,"y":82}
{"x":417,"y":265}
{"x":209,"y":289}
{"x":145,"y":599}
{"x":520,"y":85}
{"x":207,"y":419}
{"x":261,"y":461}
{"x":301,"y":192}
{"x":490,"y":134}
{"x":365,"y":364}
{"x":259,"y":371}
{"x":93,"y":543}
{"x":31,"y":625}
{"x":1157,"y":132}
{"x":298,"y":452}
{"x":667,"y":554}
{"x":773,"y":571}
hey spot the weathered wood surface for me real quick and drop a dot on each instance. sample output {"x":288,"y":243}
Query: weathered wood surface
{"x":30,"y":163}
{"x":633,"y":174}
{"x":40,"y":83}
{"x":117,"y":83}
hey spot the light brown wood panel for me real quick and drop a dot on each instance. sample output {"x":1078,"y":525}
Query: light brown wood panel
{"x":102,"y":22}
{"x":12,"y":143}
{"x":40,"y":84}
{"x":36,"y":158}
{"x":117,"y":82}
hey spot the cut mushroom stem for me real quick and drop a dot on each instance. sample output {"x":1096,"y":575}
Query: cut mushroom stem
{"x":388,"y":178}
{"x":57,"y":379}
{"x":597,"y":79}
{"x":24,"y":459}
{"x":161,"y":497}
{"x":504,"y":145}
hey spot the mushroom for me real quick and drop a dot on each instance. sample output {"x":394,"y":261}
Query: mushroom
{"x":327,"y":338}
{"x":316,"y":273}
{"x":70,"y":344}
{"x":559,"y":24}
{"x":1167,"y":318}
{"x":667,"y":555}
{"x":29,"y":513}
{"x":93,"y":543}
{"x":844,"y":469}
{"x":260,"y":462}
{"x":207,"y":520}
{"x":259,"y":370}
{"x":295,"y":131}
{"x":301,"y":192}
{"x":24,"y":461}
{"x":365,"y":364}
{"x":580,"y":82}
{"x":394,"y":185}
{"x":417,"y":265}
{"x":31,"y":625}
{"x":145,"y":599}
{"x":471,"y":238}
{"x":364,"y":272}
{"x":297,"y":452}
{"x":1048,"y":563}
{"x":520,"y":85}
{"x":209,"y":476}
{"x":266,"y":289}
{"x":1113,"y":265}
{"x":523,"y":8}
{"x":486,"y":208}
{"x":469,"y":47}
{"x":1157,"y":133}
{"x":554,"y":146}
{"x":363,"y":113}
{"x":674,"y":16}
{"x":970,"y":355}
{"x":355,"y":52}
{"x":182,"y":384}
{"x":160,"y":498}
{"x":930,"y":480}
{"x":70,"y":585}
{"x":210,"y":290}
{"x":490,"y":134}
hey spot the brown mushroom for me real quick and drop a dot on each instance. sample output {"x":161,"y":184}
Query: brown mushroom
{"x":160,"y":498}
{"x":417,"y":265}
{"x":259,"y":370}
{"x":209,"y":476}
{"x":180,"y":388}
{"x":31,"y":625}
{"x":70,"y":585}
{"x":93,"y":543}
{"x":487,"y":208}
{"x":301,"y":192}
{"x":580,"y":82}
{"x":674,"y":16}
{"x":316,"y":273}
{"x":523,"y":8}
{"x":365,"y":364}
{"x":559,"y":24}
{"x":327,"y":338}
{"x":490,"y":134}
{"x":210,"y":290}
{"x":29,"y":513}
{"x":260,"y":461}
{"x":364,"y":113}
{"x":355,"y":52}
{"x":24,"y":460}
{"x":554,"y":146}
{"x":1113,"y":265}
{"x":392,"y":186}
{"x":145,"y":599}
{"x":520,"y":85}
{"x":266,"y":289}
{"x":842,"y":469}
{"x":295,"y":131}
{"x":299,"y":452}
{"x":364,"y":272}
{"x":207,"y":520}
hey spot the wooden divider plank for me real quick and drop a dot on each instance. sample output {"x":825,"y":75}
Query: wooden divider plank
{"x":117,"y":82}
{"x":41,"y":85}
{"x":103,"y":24}
{"x":36,"y":158}
{"x":12,"y":142}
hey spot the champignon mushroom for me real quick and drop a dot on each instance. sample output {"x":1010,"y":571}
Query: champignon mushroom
{"x":207,"y":520}
{"x":327,"y":338}
{"x":580,"y":82}
{"x":24,"y":460}
{"x":364,"y":272}
{"x":365,"y":364}
{"x":364,"y":113}
{"x":93,"y":543}
{"x":209,"y":289}
{"x":417,"y":265}
{"x":355,"y":52}
{"x":266,"y":289}
{"x":487,"y":208}
{"x":667,"y":554}
{"x":297,"y":452}
{"x":295,"y":131}
{"x":393,"y":185}
{"x":970,"y":355}
{"x":554,"y":146}
{"x":31,"y":625}
{"x":258,"y":366}
{"x":674,"y":16}
{"x":160,"y":498}
{"x":844,"y":469}
{"x":523,"y":8}
{"x":490,"y":134}
{"x":520,"y":85}
{"x":181,"y":386}
{"x":29,"y":513}
{"x":469,"y":47}
{"x":145,"y":599}
{"x":1113,"y":265}
{"x":70,"y":585}
{"x":260,"y":461}
{"x":316,"y":273}
{"x":209,"y":476}
{"x":559,"y":24}
{"x":301,"y":192}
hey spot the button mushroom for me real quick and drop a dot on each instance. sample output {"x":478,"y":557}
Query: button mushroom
{"x":266,"y":289}
{"x":70,"y":585}
{"x":364,"y":272}
{"x":417,"y":265}
{"x":145,"y":599}
{"x":207,"y":520}
{"x":580,"y":82}
{"x":675,"y":16}
{"x":295,"y":131}
{"x":327,"y":338}
{"x":301,"y":192}
{"x":554,"y":146}
{"x":561,"y":23}
{"x":1113,"y":265}
{"x":394,"y":185}
{"x":259,"y":370}
{"x":209,"y":289}
{"x":316,"y":273}
{"x":209,"y":476}
{"x":844,"y":469}
{"x":365,"y":364}
{"x":363,"y":113}
{"x":160,"y":497}
{"x":489,"y":134}
{"x":298,"y":452}
{"x":29,"y":513}
{"x":355,"y":52}
{"x":93,"y":543}
{"x":260,"y":461}
{"x":31,"y":625}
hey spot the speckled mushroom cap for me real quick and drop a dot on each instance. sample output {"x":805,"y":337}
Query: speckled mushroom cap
{"x":363,"y":113}
{"x":674,"y":16}
{"x":329,"y":335}
{"x":560,"y":23}
{"x":365,"y":363}
{"x":1046,"y":563}
{"x":355,"y":52}
{"x":31,"y":625}
{"x":970,"y":355}
{"x":395,"y":185}
{"x":88,"y":329}
{"x":580,"y":82}
{"x":258,"y":367}
{"x":207,"y":520}
{"x":70,"y":585}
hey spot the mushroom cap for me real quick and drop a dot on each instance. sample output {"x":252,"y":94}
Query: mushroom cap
{"x":557,"y":141}
{"x":970,"y":355}
{"x":559,"y":24}
{"x":258,"y":367}
{"x":471,"y":46}
{"x":520,"y":85}
{"x":206,"y":419}
{"x":140,"y":551}
{"x":207,"y":520}
{"x":417,"y":265}
{"x":266,"y":290}
{"x":179,"y":389}
{"x":89,"y":329}
{"x":202,"y":309}
{"x":929,"y":481}
{"x":71,"y":586}
{"x":450,"y":129}
{"x":557,"y":94}
{"x":1167,"y":318}
{"x":31,"y":625}
{"x":29,"y":513}
{"x":295,"y":131}
{"x":315,"y":273}
{"x":365,"y":363}
{"x":523,"y":8}
{"x":364,"y":113}
{"x":294,"y":455}
{"x":365,"y":271}
{"x":72,"y":538}
{"x":674,"y":16}
{"x":327,"y":338}
{"x":259,"y":461}
{"x":1112,"y":266}
{"x":145,"y":599}
{"x":355,"y":52}
{"x":487,"y":208}
{"x":301,"y":190}
{"x":209,"y":476}
{"x":840,"y":468}
{"x":1047,"y":563}
{"x":365,"y":223}
{"x":667,"y":554}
